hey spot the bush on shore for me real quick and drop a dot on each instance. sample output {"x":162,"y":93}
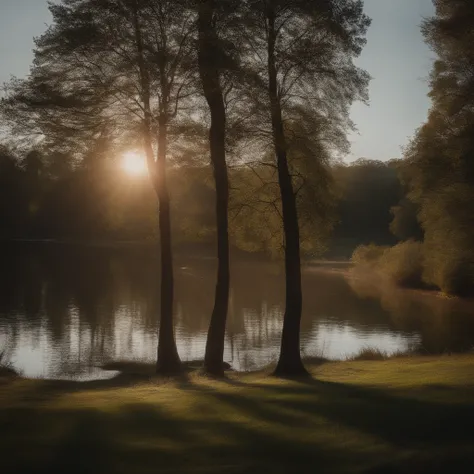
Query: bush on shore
{"x":450,"y":269}
{"x":402,"y":264}
{"x":374,"y":354}
{"x":413,"y":264}
{"x":368,"y":255}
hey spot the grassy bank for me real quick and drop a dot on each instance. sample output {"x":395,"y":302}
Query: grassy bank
{"x":404,"y":415}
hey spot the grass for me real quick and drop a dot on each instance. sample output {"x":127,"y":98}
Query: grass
{"x":369,"y":353}
{"x":393,"y":416}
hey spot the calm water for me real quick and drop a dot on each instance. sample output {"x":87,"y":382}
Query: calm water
{"x":65,"y":311}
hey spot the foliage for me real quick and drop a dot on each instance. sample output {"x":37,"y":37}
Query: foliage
{"x":317,"y":80}
{"x":256,"y":214}
{"x":368,"y":190}
{"x":86,"y":79}
{"x":368,"y":255}
{"x":93,"y":199}
{"x":437,"y":176}
{"x":403,"y":264}
{"x":84,"y":84}
{"x":315,"y":48}
{"x":439,"y":161}
{"x":96,"y":200}
{"x":405,"y":224}
{"x":370,"y":353}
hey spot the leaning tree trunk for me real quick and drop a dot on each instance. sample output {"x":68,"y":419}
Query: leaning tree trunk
{"x":289,"y":362}
{"x":168,"y":358}
{"x":209,"y":73}
{"x":168,"y":361}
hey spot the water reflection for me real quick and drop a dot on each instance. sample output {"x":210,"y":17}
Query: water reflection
{"x":64,"y":311}
{"x":444,"y":325}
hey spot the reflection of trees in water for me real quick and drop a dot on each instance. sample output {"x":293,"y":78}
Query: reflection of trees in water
{"x":250,"y":319}
{"x":79,"y":307}
{"x":330,"y":297}
{"x":7,"y":345}
{"x":444,"y":325}
{"x":86,"y":305}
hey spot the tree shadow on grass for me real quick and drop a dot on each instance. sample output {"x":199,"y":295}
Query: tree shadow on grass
{"x":438,"y":435}
{"x":238,"y":427}
{"x":384,"y":413}
{"x":143,"y":438}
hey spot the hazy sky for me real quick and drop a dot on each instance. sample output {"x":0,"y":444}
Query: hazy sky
{"x":395,"y":56}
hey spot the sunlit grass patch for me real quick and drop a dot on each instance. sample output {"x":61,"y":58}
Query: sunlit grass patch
{"x":349,"y":417}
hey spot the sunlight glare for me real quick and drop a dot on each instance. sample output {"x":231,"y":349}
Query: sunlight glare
{"x":134,"y":163}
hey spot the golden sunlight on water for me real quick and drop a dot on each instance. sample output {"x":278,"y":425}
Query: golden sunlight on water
{"x":64,"y":312}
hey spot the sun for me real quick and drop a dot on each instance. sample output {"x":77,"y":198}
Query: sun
{"x":134,"y":163}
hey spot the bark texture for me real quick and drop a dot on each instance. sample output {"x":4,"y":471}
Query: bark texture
{"x":210,"y":78}
{"x":289,"y":363}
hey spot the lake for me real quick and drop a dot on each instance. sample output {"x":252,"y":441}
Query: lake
{"x":65,"y":310}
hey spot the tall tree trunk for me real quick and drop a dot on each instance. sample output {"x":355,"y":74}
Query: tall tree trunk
{"x":209,"y":73}
{"x":168,"y":361}
{"x":289,"y":362}
{"x":168,"y":358}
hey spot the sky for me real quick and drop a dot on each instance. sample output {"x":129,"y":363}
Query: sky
{"x":399,"y":62}
{"x":395,"y":56}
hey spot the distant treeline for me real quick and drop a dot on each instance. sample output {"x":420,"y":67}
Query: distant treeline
{"x":53,"y":197}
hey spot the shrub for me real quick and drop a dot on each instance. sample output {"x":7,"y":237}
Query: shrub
{"x":452,"y":275}
{"x":448,"y":221}
{"x":438,"y":263}
{"x":403,"y":264}
{"x":368,"y":255}
{"x":370,"y":353}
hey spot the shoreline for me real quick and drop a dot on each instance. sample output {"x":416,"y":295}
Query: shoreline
{"x":379,"y":281}
{"x":134,"y":371}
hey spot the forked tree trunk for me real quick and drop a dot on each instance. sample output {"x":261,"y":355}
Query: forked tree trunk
{"x":209,"y":73}
{"x":289,"y":363}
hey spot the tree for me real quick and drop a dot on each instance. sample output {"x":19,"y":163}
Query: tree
{"x":122,"y":66}
{"x":12,"y":202}
{"x":302,"y":55}
{"x":439,"y":163}
{"x":212,"y":60}
{"x":168,"y":358}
